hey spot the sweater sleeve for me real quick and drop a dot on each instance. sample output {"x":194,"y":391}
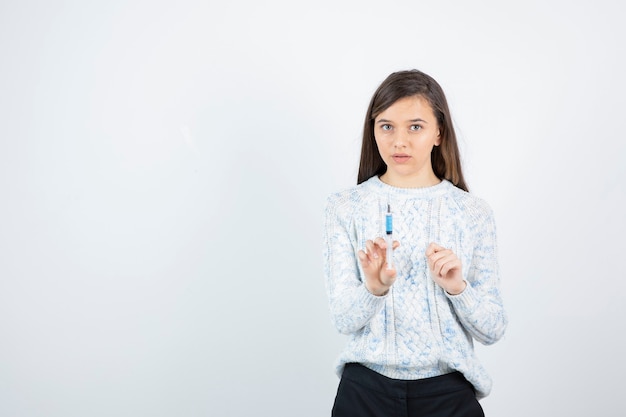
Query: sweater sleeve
{"x":480,"y":307}
{"x":352,"y":306}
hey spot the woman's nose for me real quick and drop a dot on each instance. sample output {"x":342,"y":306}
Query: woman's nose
{"x":399,"y":140}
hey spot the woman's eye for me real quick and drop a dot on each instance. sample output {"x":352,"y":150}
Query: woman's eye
{"x":385,"y":127}
{"x":416,"y":127}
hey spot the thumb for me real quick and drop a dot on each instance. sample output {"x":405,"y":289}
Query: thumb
{"x":388,"y":276}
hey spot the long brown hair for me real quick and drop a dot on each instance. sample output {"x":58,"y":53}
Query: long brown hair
{"x":445,"y":158}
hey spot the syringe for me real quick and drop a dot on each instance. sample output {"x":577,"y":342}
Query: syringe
{"x":389,"y":237}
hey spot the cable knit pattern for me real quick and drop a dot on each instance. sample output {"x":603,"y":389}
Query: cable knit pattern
{"x":416,"y":330}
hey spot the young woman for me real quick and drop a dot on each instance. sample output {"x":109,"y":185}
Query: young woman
{"x":411,"y":319}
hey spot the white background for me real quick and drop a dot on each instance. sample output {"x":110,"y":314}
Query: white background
{"x":164,"y":168}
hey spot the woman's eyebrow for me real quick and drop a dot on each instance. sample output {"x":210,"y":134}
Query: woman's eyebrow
{"x":418,"y":120}
{"x":411,"y":121}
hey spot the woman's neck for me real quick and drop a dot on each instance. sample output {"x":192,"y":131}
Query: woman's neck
{"x":420,"y":181}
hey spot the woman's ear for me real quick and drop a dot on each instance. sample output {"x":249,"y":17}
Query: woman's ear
{"x":438,"y":140}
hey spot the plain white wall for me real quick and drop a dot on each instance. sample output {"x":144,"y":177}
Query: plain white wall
{"x":163,"y":172}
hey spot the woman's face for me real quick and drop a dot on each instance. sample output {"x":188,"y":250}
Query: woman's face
{"x":405,"y":134}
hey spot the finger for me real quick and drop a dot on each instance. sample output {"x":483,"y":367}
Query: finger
{"x":440,"y":253}
{"x":440,"y":257}
{"x":396,"y":244}
{"x":449,"y":266}
{"x":446,"y":264}
{"x":363,"y":258}
{"x":432,"y":248}
{"x":380,"y":242}
{"x":372,"y":250}
{"x":436,"y":261}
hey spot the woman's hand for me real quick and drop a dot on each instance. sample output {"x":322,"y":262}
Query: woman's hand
{"x":378,"y":279}
{"x":445,"y":268}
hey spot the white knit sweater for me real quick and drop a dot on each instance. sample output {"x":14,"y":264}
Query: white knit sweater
{"x":416,"y":330}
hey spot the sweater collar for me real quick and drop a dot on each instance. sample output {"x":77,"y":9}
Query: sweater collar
{"x":420,"y":192}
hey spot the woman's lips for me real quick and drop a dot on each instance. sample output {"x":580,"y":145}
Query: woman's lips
{"x":400,"y":158}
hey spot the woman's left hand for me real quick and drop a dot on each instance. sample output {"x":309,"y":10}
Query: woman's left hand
{"x":445,"y":268}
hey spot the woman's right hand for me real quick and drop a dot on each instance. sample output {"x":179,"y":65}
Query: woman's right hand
{"x":378,"y":278}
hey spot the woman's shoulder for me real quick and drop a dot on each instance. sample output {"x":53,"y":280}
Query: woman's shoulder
{"x":347,"y":202}
{"x":472,"y":204}
{"x":346,"y":196}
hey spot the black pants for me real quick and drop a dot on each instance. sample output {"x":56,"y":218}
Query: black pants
{"x":365,"y":393}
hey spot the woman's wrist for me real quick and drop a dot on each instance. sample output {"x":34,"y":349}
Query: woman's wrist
{"x":457,"y":290}
{"x":380,"y":293}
